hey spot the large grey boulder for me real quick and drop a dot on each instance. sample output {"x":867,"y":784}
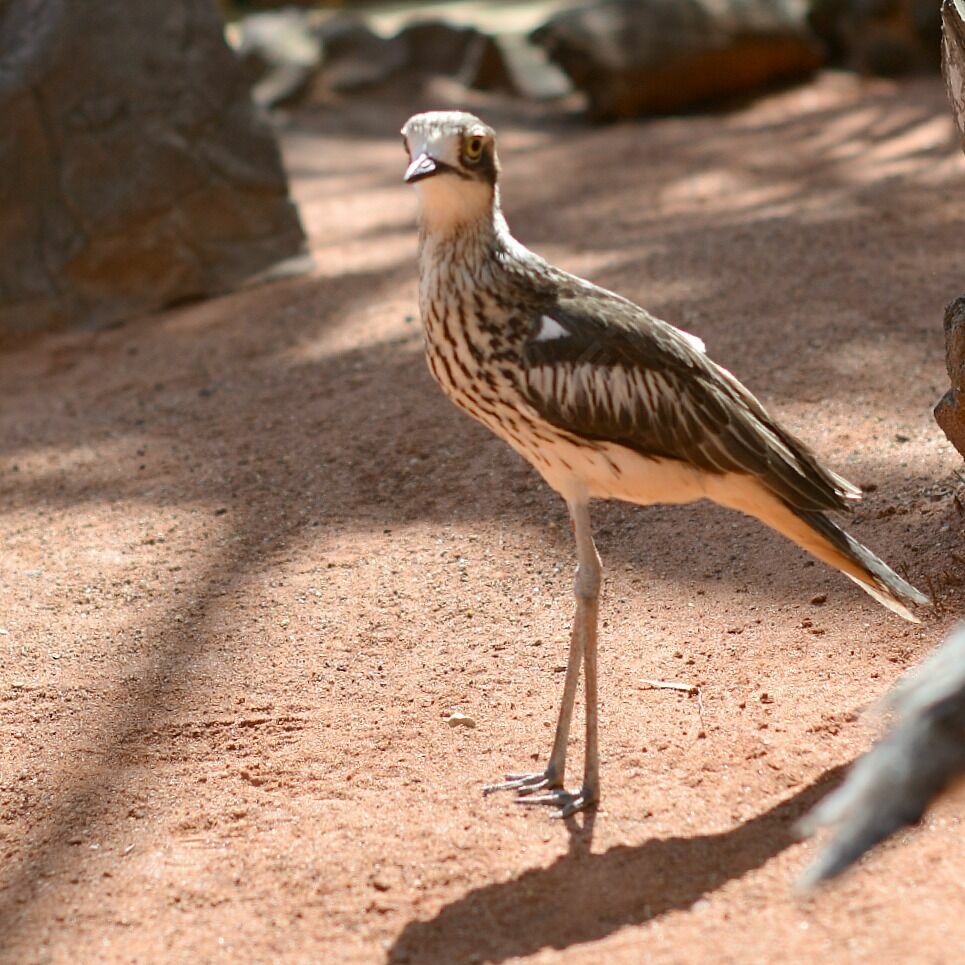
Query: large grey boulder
{"x":895,"y":782}
{"x":656,"y":56}
{"x":135,"y":172}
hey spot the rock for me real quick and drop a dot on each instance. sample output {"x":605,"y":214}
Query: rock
{"x":281,"y":51}
{"x":656,"y":56}
{"x":486,"y":67}
{"x":356,"y":57}
{"x":892,"y":786}
{"x":136,"y":172}
{"x":456,"y":719}
{"x":887,"y":37}
{"x":826,"y":19}
{"x":950,"y":410}
{"x":533,"y":74}
{"x":437,"y":47}
{"x":953,"y":59}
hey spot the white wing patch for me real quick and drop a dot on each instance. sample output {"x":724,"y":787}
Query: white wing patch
{"x":695,"y":342}
{"x":550,"y":329}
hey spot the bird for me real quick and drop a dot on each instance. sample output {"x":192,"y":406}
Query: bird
{"x":894,"y":783}
{"x":604,"y":399}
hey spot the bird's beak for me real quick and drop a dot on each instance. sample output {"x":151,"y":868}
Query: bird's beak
{"x":423,"y":166}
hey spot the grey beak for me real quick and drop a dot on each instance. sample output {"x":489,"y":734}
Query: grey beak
{"x":423,"y":166}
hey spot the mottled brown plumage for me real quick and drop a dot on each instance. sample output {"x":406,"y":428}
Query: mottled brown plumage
{"x":604,"y":399}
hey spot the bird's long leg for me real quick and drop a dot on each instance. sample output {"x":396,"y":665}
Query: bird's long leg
{"x":582,"y":647}
{"x":587,"y":611}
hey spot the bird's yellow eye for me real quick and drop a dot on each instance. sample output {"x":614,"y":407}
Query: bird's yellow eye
{"x":473,"y":148}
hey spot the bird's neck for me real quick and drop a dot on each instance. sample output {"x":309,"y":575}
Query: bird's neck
{"x":460,"y":238}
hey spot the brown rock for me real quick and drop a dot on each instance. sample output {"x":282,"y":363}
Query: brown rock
{"x":485,"y":67}
{"x":356,"y":57}
{"x":135,"y":170}
{"x":949,"y":412}
{"x":656,"y":56}
{"x":953,"y":59}
{"x":437,"y":47}
{"x":888,"y":37}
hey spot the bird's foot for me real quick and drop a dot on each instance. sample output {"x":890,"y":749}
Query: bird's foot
{"x":525,"y":784}
{"x":546,"y":788}
{"x":568,"y":802}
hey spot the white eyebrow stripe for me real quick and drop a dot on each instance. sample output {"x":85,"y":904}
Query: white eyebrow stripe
{"x":550,"y":329}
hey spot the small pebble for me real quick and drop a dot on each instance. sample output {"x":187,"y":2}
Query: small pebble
{"x":819,"y":598}
{"x":455,"y":719}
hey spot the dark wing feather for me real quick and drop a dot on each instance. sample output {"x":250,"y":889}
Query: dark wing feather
{"x":621,"y":375}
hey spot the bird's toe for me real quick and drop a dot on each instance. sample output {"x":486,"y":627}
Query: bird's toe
{"x":568,"y":802}
{"x":522,"y":784}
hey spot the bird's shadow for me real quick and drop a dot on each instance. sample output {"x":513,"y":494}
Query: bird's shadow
{"x":583,"y":897}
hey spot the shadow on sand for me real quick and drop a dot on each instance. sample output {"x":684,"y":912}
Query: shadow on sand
{"x":583,"y":897}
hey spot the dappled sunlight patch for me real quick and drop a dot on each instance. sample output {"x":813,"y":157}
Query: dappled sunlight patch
{"x":389,"y":325}
{"x":34,"y":473}
{"x":722,"y":189}
{"x":900,"y":138}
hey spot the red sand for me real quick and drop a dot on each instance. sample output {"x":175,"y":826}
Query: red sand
{"x":253,"y":560}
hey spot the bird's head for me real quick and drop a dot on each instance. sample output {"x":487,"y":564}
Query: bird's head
{"x":453,"y":167}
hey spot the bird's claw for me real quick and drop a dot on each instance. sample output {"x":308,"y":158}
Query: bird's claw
{"x":522,"y":784}
{"x":569,"y":802}
{"x":551,"y":793}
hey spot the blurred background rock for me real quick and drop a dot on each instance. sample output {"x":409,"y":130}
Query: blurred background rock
{"x":136,"y":172}
{"x":141,"y":168}
{"x":626,"y":57}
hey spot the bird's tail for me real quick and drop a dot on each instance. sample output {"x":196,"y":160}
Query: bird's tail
{"x":823,"y":538}
{"x":829,"y":542}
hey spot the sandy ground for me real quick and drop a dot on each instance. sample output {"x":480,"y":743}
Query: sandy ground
{"x":253,"y":560}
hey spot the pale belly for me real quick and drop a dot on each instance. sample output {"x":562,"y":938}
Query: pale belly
{"x":579,"y":472}
{"x":609,"y":471}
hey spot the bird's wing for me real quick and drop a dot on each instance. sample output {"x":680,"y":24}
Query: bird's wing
{"x":601,"y":367}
